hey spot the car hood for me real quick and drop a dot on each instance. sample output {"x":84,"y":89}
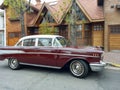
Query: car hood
{"x":85,"y":49}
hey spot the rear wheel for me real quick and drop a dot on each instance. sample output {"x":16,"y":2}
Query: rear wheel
{"x":79,"y":68}
{"x":13,"y":63}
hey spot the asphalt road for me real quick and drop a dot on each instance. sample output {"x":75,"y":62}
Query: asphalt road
{"x":34,"y":78}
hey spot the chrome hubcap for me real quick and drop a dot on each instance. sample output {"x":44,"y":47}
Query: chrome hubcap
{"x":13,"y":63}
{"x":77,"y":68}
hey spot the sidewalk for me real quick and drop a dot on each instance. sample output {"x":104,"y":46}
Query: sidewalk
{"x":112,"y":58}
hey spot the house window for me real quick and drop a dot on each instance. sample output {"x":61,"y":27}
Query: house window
{"x":63,"y":31}
{"x":79,"y":31}
{"x":87,"y":30}
{"x":115,"y":29}
{"x":49,"y":18}
{"x":79,"y":14}
{"x":87,"y":27}
{"x":14,"y":34}
{"x":100,"y":2}
{"x":98,"y":27}
{"x":33,"y":31}
{"x":79,"y":27}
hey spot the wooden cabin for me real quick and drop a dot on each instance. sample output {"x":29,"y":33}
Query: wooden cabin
{"x":89,"y":24}
{"x":92,"y":26}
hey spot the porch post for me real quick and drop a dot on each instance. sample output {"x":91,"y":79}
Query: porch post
{"x":106,"y":39}
{"x":69,"y":32}
{"x":83,"y":34}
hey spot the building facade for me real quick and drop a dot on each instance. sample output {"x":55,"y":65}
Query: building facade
{"x":112,"y":25}
{"x":89,"y":22}
{"x":95,"y":23}
{"x":2,"y":28}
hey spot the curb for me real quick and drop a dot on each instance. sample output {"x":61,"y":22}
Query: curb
{"x":113,"y":64}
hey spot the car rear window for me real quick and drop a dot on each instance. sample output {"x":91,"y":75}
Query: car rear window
{"x":29,"y":42}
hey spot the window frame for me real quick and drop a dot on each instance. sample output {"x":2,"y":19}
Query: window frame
{"x":115,"y":29}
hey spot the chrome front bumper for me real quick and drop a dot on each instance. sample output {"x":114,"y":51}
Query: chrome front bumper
{"x":97,"y":66}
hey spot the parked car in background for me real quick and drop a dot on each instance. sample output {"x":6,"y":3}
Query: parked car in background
{"x":51,"y":51}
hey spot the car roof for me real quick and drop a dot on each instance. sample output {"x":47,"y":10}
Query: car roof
{"x":40,"y":36}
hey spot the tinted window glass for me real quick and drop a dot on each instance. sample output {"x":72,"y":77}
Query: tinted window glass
{"x":45,"y":42}
{"x":29,"y":42}
{"x":20,"y":43}
{"x":56,"y":44}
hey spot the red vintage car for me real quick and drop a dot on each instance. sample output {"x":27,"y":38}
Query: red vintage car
{"x":51,"y":51}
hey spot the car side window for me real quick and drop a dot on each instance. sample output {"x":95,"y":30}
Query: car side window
{"x":55,"y":43}
{"x":19,"y":44}
{"x":29,"y":42}
{"x":45,"y":42}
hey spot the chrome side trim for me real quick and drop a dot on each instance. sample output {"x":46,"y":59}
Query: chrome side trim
{"x":97,"y":66}
{"x":36,"y":65}
{"x":65,"y":54}
{"x":2,"y":52}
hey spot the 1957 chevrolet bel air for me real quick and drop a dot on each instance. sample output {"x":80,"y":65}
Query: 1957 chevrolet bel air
{"x":51,"y":51}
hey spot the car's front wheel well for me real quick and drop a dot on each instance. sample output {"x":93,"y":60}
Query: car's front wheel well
{"x":68,"y":63}
{"x":78,"y":67}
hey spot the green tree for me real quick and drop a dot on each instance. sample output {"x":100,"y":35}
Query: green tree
{"x":72,"y":23}
{"x":20,"y":7}
{"x":46,"y":29}
{"x":71,"y":20}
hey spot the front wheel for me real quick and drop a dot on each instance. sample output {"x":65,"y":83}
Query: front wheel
{"x":13,"y":63}
{"x":79,"y":68}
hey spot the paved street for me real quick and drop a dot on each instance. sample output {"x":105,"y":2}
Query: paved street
{"x":34,"y":78}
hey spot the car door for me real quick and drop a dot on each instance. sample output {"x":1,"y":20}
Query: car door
{"x":46,"y":56}
{"x":42,"y":54}
{"x":28,"y":47}
{"x":45,"y":53}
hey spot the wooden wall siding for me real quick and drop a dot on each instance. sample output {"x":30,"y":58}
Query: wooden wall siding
{"x":11,"y":26}
{"x":114,"y":42}
{"x":112,"y":16}
{"x":12,"y":41}
{"x":80,"y":42}
{"x":87,"y":41}
{"x":98,"y":38}
{"x":83,"y":42}
{"x":87,"y":37}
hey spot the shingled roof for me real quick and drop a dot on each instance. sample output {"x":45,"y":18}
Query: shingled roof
{"x":32,"y":17}
{"x":91,"y":10}
{"x":89,"y":7}
{"x":59,"y":10}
